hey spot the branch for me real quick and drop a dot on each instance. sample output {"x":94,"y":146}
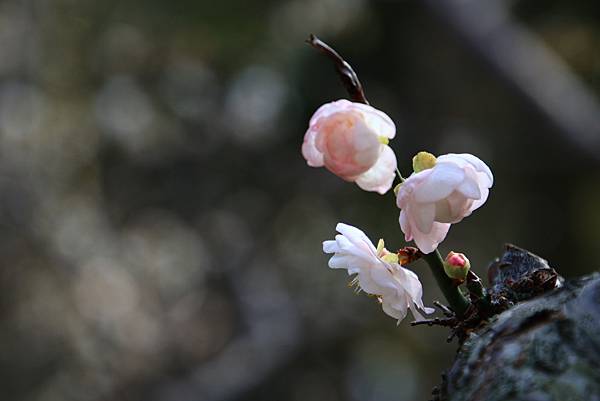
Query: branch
{"x":344,"y":70}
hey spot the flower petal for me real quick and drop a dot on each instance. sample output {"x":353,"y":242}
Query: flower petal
{"x":458,"y":208}
{"x":377,"y":120}
{"x":462,"y":159}
{"x":424,"y":214}
{"x":484,"y":195}
{"x":313,"y":156}
{"x":469,"y":188}
{"x":405,"y":226}
{"x":380,"y":177}
{"x":330,"y":246}
{"x":427,"y":243}
{"x":356,"y":236}
{"x":397,"y":310}
{"x":328,"y":109}
{"x":443,"y":179}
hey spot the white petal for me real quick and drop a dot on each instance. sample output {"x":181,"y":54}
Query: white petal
{"x":397,"y":310}
{"x":462,"y":158}
{"x":380,"y":177}
{"x":409,"y":281}
{"x":377,"y":120}
{"x":484,"y":195}
{"x":458,"y":207}
{"x":367,"y":284}
{"x":330,"y":246}
{"x":405,"y":226}
{"x":356,"y":236}
{"x":469,"y":188}
{"x":444,"y":178}
{"x":424,"y":214}
{"x":427,"y":243}
{"x":384,"y":279}
{"x":339,"y":261}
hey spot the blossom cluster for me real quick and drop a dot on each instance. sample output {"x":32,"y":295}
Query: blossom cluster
{"x":352,"y":141}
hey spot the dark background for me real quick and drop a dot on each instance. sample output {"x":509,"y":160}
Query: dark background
{"x":160,"y":233}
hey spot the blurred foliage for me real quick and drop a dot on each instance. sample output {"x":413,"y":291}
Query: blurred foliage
{"x":160,"y":231}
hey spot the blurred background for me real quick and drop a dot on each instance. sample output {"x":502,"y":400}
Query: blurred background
{"x":160,"y":233}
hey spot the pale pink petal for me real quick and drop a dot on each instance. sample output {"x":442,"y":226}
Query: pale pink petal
{"x":407,"y":189}
{"x":405,"y":226}
{"x":423,"y":215}
{"x":380,"y":177}
{"x":377,"y":120}
{"x":330,"y":108}
{"x":313,"y":156}
{"x":458,"y":207}
{"x":441,"y":182}
{"x":427,"y":243}
{"x":348,"y":145}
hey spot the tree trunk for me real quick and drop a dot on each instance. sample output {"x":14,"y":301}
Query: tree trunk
{"x":546,"y":348}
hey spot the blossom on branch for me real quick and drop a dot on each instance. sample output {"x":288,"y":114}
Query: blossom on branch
{"x":350,"y":140}
{"x":435,"y":197}
{"x":377,"y":272}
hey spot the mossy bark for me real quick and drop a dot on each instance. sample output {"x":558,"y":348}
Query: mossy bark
{"x":543,"y":349}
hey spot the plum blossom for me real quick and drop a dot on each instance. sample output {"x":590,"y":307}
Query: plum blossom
{"x":377,"y":272}
{"x":350,"y":140}
{"x":434,"y":198}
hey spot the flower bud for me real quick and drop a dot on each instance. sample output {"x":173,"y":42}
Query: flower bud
{"x":423,"y":161}
{"x":456,"y":266}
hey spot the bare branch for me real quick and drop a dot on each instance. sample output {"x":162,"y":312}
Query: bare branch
{"x":344,"y":70}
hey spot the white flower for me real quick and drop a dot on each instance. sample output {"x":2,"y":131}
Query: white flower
{"x":378,"y":273}
{"x":436,"y":197}
{"x":350,"y":140}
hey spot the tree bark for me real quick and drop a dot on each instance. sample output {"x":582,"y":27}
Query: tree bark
{"x":543,"y":349}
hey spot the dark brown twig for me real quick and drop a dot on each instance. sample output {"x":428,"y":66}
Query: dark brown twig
{"x":436,"y":321}
{"x":344,"y":70}
{"x":445,"y":310}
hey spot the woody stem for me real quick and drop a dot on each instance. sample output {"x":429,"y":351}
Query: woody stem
{"x":455,"y":298}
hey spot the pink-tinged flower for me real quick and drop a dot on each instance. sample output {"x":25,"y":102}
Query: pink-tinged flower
{"x":433,"y":199}
{"x":377,"y":272}
{"x":350,"y":140}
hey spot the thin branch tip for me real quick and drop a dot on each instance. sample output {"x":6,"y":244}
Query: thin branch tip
{"x":343,"y":69}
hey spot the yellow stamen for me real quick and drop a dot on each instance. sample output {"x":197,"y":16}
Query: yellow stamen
{"x":423,"y":161}
{"x":397,"y":189}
